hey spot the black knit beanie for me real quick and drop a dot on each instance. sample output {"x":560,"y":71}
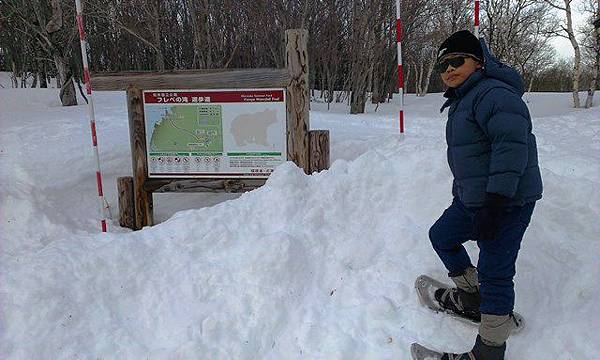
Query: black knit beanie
{"x":463,"y":42}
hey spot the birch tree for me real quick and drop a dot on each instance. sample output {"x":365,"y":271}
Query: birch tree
{"x":567,"y":31}
{"x":591,"y":44}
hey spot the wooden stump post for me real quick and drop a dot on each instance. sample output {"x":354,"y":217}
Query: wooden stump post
{"x":126,"y":204}
{"x":298,"y":97}
{"x":144,"y":214}
{"x":319,"y":150}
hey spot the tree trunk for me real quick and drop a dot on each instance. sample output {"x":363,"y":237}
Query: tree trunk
{"x":358,"y":101}
{"x":156,"y":32}
{"x":577,"y":64}
{"x":68,"y":97}
{"x":589,"y":101}
{"x":429,"y":72}
{"x":13,"y":76}
{"x":378,"y":82}
{"x":421,"y":73}
{"x":331,"y":80}
{"x":406,"y":78}
{"x":530,"y":84}
{"x":428,"y":78}
{"x":358,"y":97}
{"x":359,"y":82}
{"x":199,"y":12}
{"x":419,"y":78}
{"x":42,"y":75}
{"x":378,"y":93}
{"x":40,"y":68}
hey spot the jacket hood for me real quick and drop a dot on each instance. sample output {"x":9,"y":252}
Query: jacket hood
{"x":495,"y":69}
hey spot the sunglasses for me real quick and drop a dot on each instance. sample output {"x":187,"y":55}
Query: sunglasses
{"x":455,"y":62}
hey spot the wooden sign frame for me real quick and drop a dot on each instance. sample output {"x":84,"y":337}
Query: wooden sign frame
{"x":308,"y":149}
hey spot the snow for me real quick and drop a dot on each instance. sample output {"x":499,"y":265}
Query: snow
{"x":314,"y":267}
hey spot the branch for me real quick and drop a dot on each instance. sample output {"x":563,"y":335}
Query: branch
{"x":232,"y":54}
{"x":36,"y":30}
{"x":103,"y":12}
{"x":135,"y":34}
{"x":551,"y":3}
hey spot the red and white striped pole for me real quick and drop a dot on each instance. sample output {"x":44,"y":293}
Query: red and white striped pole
{"x":477,"y":18}
{"x":400,"y":68}
{"x":88,"y":87}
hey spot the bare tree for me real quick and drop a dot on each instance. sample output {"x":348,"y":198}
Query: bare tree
{"x":327,"y":47}
{"x":361,"y":54}
{"x":416,"y":23}
{"x":566,"y":30}
{"x":43,"y":23}
{"x":141,"y":19}
{"x":199,"y":12}
{"x":518,"y":32}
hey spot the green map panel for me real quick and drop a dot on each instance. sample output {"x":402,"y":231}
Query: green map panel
{"x":189,"y":128}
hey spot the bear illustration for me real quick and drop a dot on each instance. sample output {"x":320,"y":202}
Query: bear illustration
{"x":252,"y":128}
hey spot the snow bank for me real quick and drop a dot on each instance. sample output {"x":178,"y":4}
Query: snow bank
{"x":314,"y":267}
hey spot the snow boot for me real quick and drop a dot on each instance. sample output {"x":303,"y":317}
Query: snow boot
{"x":464,"y":299}
{"x":481,"y":351}
{"x":495,"y":329}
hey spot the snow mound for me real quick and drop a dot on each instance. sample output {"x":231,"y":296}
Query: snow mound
{"x":316,"y":267}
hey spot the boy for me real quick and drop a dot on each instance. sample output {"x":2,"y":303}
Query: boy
{"x":493,"y":157}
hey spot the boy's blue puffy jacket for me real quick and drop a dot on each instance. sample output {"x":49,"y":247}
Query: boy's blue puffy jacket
{"x":490,"y":144}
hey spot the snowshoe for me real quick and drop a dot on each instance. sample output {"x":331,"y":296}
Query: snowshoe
{"x":454,"y":303}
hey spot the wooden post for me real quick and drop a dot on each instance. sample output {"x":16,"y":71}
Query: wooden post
{"x":298,"y":97}
{"x":319,"y":150}
{"x":144,"y":214}
{"x":126,"y":205}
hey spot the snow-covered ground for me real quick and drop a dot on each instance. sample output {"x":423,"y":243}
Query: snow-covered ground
{"x":306,"y":267}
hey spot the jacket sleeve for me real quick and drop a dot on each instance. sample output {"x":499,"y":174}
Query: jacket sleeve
{"x":504,"y":118}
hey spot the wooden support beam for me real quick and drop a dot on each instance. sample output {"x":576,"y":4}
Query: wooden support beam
{"x":203,"y":185}
{"x":298,"y":97}
{"x":144,"y":214}
{"x":196,"y":79}
{"x":126,"y":204}
{"x":154,"y":72}
{"x":319,"y":150}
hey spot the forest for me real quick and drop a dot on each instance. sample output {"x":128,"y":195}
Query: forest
{"x":352,"y":43}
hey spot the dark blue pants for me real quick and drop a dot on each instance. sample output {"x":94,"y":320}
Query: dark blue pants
{"x":497,"y":257}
